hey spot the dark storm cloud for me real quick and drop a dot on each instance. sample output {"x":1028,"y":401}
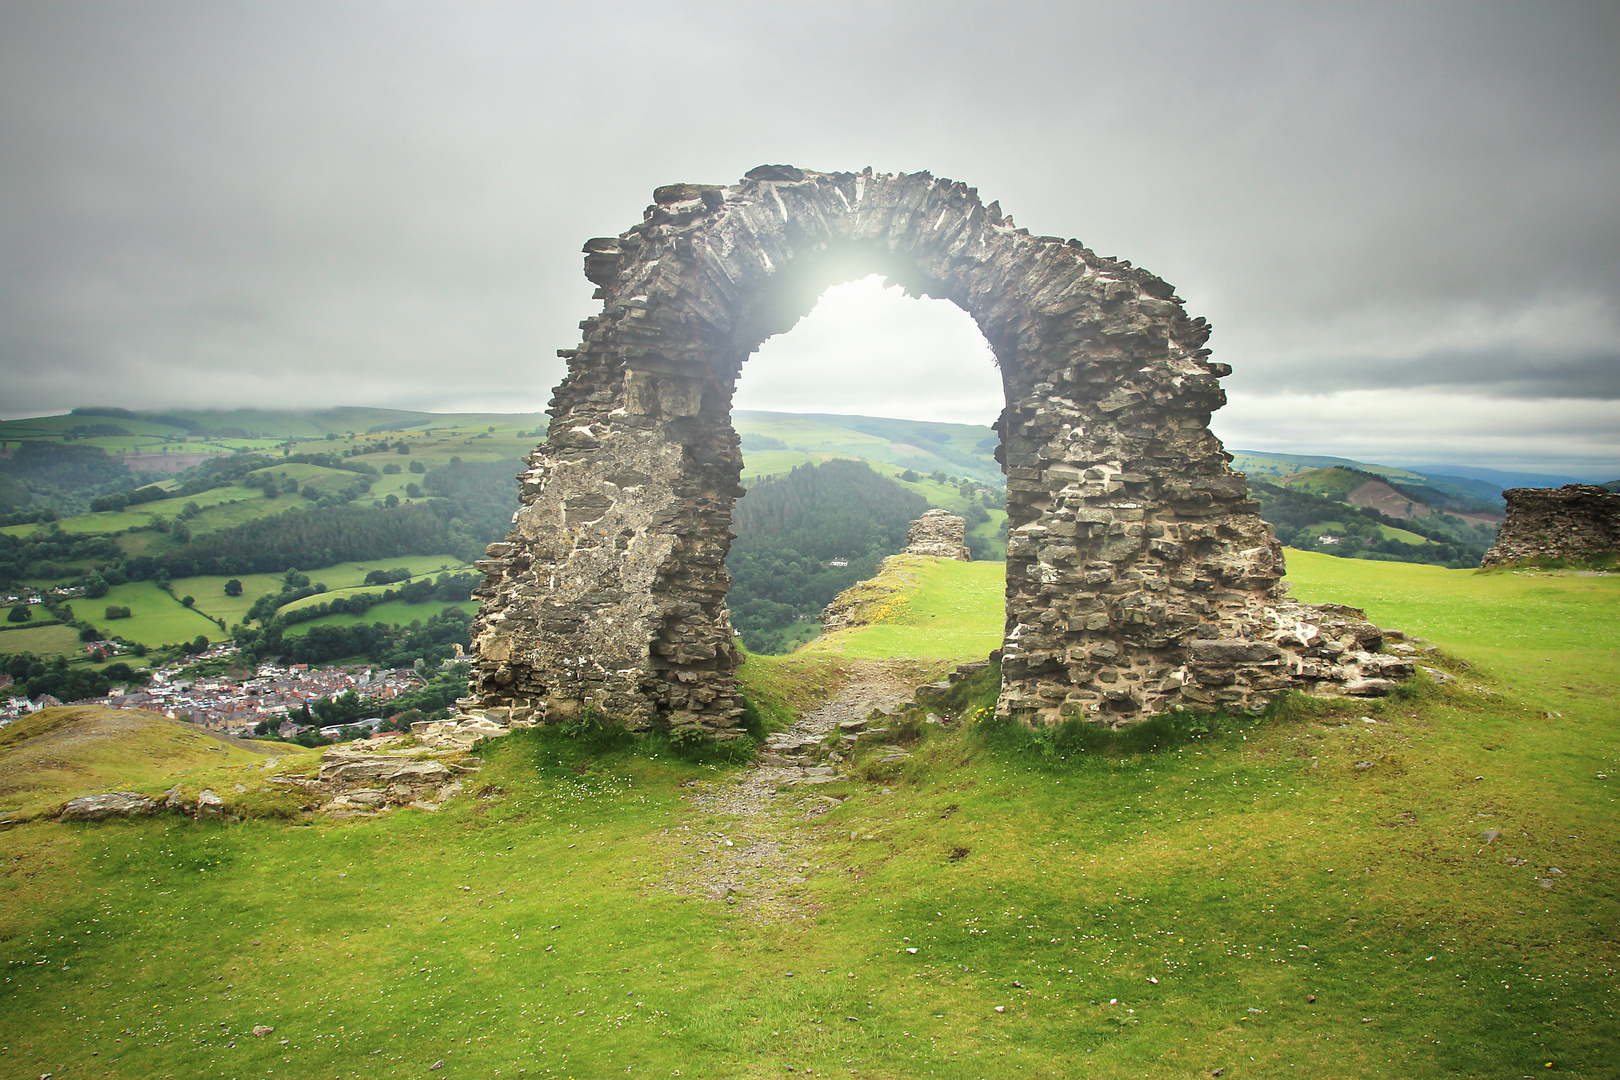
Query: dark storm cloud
{"x":285,"y":203}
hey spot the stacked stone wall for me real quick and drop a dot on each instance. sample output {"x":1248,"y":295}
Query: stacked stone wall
{"x":1574,"y":523}
{"x":1139,"y":573}
{"x":940,"y":534}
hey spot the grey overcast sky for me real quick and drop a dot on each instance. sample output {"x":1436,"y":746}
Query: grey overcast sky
{"x":1403,"y":219}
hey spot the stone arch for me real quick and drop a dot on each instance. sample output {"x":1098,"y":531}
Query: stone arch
{"x":1139,"y":574}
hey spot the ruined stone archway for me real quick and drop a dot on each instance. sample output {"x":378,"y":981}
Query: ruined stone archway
{"x":1139,"y":574}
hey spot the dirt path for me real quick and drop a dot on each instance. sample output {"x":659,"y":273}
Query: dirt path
{"x":745,"y":843}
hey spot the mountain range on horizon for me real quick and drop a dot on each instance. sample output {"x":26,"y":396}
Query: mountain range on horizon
{"x":920,"y":444}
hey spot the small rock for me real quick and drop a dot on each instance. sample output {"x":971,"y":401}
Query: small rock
{"x":209,"y":805}
{"x":1490,"y":835}
{"x":1310,"y":999}
{"x":1001,"y":1008}
{"x":440,"y":1063}
{"x":261,"y":1030}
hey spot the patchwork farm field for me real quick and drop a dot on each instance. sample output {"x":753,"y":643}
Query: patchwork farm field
{"x":156,"y":618}
{"x":41,"y":640}
{"x":394,"y":612}
{"x":339,"y":578}
{"x":1421,"y":886}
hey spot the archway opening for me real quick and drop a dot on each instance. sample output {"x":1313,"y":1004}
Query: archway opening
{"x":873,"y":408}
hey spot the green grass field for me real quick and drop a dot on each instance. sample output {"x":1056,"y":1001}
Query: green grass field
{"x":156,"y":618}
{"x":58,"y":753}
{"x":947,"y":609}
{"x":217,"y":514}
{"x":1303,"y":895}
{"x":1558,"y":634}
{"x":209,"y":591}
{"x":394,"y":612}
{"x":42,"y":640}
{"x":1388,"y":532}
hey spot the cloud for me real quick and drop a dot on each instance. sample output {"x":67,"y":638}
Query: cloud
{"x":309,"y":203}
{"x":1573,"y":436}
{"x":917,"y":358}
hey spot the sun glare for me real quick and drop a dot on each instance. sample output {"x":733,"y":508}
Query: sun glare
{"x":875,"y":351}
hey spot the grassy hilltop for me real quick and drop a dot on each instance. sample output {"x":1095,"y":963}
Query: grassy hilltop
{"x":1415,"y":887}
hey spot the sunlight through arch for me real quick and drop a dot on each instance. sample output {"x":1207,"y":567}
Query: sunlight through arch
{"x":871,"y":350}
{"x":891,"y":378}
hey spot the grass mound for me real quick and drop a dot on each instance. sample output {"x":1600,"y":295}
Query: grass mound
{"x":62,"y":752}
{"x":922,"y":607}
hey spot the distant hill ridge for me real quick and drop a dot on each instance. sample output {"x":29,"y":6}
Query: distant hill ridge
{"x":923,"y":445}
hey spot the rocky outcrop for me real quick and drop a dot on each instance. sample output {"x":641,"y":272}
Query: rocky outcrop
{"x":871,"y":601}
{"x":1130,"y":537}
{"x":111,"y":804}
{"x":1572,"y":523}
{"x":365,"y":779}
{"x":939,"y":534}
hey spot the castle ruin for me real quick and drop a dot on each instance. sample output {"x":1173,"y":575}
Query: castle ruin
{"x":1139,"y":574}
{"x":1570,"y":523}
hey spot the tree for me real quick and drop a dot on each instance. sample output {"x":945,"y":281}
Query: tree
{"x":116,"y":611}
{"x":418,"y":467}
{"x":189,"y":601}
{"x":391,"y":502}
{"x":19,"y":613}
{"x":233,"y":587}
{"x":910,"y":476}
{"x":95,"y":586}
{"x":413,"y":491}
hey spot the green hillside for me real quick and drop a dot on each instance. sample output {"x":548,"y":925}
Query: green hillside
{"x":61,"y":752}
{"x":965,"y":450}
{"x":135,"y":497}
{"x":1338,"y":509}
{"x":1378,"y":889}
{"x":924,"y":608}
